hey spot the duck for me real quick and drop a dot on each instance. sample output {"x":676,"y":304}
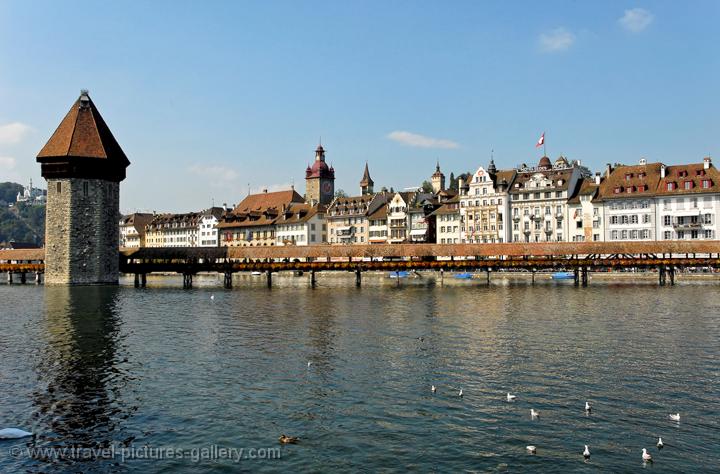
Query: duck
{"x":675,"y":417}
{"x":660,"y":443}
{"x":531,"y":449}
{"x":586,"y":453}
{"x":588,"y":407}
{"x":533,"y":413}
{"x":646,"y":456}
{"x":13,"y":433}
{"x":511,"y":398}
{"x":284,"y":439}
{"x":433,"y":389}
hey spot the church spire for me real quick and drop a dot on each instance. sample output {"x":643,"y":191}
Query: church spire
{"x":366,"y":184}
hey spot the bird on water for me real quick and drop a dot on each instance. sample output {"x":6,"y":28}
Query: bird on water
{"x":534,"y":414}
{"x":660,"y":443}
{"x":531,"y":449}
{"x":646,"y":456}
{"x":511,"y":398}
{"x":284,"y":439}
{"x":586,"y":453}
{"x":13,"y":433}
{"x":675,"y":417}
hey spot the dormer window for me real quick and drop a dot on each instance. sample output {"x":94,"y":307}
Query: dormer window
{"x":706,"y":183}
{"x":670,"y":186}
{"x":682,"y":173}
{"x":628,"y":176}
{"x":641,"y":175}
{"x":618,"y":189}
{"x":630,"y":189}
{"x":688,"y":184}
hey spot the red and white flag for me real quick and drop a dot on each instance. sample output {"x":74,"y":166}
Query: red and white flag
{"x":541,"y":142}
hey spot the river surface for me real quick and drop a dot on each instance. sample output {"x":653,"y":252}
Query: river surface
{"x":166,"y":368}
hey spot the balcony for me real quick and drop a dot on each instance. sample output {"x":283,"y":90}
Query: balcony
{"x":559,"y":216}
{"x":687,"y":225}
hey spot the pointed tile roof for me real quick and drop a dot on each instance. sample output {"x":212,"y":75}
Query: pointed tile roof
{"x":366,"y":179}
{"x":83,"y":135}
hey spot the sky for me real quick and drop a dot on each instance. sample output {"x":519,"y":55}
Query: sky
{"x":212,"y":99}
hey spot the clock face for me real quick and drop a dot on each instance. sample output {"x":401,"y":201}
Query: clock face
{"x":327,"y":187}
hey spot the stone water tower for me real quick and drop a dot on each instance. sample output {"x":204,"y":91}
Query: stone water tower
{"x":83,"y":165}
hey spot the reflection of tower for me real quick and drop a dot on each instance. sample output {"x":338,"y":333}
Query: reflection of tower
{"x":319,"y":180}
{"x":83,"y":166}
{"x":366,"y":184}
{"x":438,"y":179}
{"x":80,"y":378}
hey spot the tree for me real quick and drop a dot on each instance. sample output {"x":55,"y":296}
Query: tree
{"x":340,"y":193}
{"x":453,"y":182}
{"x":427,"y":186}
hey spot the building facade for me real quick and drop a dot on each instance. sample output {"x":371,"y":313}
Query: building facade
{"x":132,"y":230}
{"x":319,"y":180}
{"x":485,"y":206}
{"x":301,"y":224}
{"x":585,"y":212}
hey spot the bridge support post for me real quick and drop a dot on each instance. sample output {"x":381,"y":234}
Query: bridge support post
{"x":442,"y":276}
{"x":533,"y":276}
{"x":187,"y":281}
{"x":584,"y":276}
{"x":37,"y":278}
{"x":313,"y":279}
{"x":137,"y":281}
{"x":143,"y":280}
{"x":576,"y":276}
{"x":9,"y":277}
{"x":358,"y":277}
{"x":227,"y":280}
{"x":487,"y":275}
{"x":671,"y":271}
{"x":661,"y":275}
{"x":23,"y":278}
{"x":397,"y":277}
{"x":269,"y":279}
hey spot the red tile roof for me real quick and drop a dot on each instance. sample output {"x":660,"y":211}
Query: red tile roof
{"x":636,"y":181}
{"x":695,"y":174}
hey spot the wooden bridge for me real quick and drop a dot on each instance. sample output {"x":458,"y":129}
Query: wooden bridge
{"x":578,"y":257}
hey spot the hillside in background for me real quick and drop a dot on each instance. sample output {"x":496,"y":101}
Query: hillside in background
{"x":22,"y":222}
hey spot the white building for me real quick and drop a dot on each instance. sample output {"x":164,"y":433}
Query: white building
{"x":688,"y":202}
{"x":585,"y":212}
{"x":538,"y":200}
{"x":448,"y":222}
{"x":132,"y":230}
{"x":485,"y":206}
{"x":207,"y":230}
{"x":629,"y":197}
{"x":301,"y":224}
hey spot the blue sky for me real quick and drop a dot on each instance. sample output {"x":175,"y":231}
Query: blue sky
{"x":206,"y":97}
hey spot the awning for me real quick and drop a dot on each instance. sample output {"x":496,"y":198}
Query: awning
{"x":418,"y":232}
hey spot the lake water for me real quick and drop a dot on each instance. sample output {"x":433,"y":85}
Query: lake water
{"x":165,"y":368}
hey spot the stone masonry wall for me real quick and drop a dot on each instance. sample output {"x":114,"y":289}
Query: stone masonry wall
{"x":82,"y":232}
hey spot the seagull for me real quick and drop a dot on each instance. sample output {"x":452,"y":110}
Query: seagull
{"x":586,"y":453}
{"x":660,"y":443}
{"x":460,"y":394}
{"x":646,"y":456}
{"x":533,"y":413}
{"x":13,"y":433}
{"x":433,"y":389}
{"x":675,"y":417}
{"x":212,"y":297}
{"x":588,"y":408}
{"x":309,"y":364}
{"x":511,"y":398}
{"x":531,"y":449}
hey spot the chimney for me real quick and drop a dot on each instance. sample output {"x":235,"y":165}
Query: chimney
{"x":608,"y":170}
{"x":662,"y":171}
{"x":597,"y":178}
{"x":707,"y":161}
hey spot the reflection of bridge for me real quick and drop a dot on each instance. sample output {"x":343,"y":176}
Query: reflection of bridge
{"x":581,"y":257}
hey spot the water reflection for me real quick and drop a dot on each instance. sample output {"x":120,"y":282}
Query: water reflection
{"x":79,"y":371}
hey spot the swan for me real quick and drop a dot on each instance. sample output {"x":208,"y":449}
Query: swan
{"x":586,"y":453}
{"x":533,"y":413}
{"x":531,"y":449}
{"x":13,"y":433}
{"x":660,"y":443}
{"x":646,"y":456}
{"x":675,"y":417}
{"x":511,"y":398}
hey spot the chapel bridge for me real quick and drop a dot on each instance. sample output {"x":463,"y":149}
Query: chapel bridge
{"x":578,"y":257}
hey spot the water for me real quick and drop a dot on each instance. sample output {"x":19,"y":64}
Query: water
{"x":95,"y":367}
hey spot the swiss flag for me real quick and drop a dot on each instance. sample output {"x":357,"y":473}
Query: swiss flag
{"x":541,"y":142}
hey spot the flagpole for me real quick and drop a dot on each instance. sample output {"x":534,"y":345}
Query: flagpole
{"x":544,"y":152}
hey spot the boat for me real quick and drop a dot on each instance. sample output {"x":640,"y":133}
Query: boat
{"x":463,"y":276}
{"x":402,"y":274}
{"x":563,"y":276}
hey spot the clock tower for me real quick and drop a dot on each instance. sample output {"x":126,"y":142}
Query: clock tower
{"x":319,"y":180}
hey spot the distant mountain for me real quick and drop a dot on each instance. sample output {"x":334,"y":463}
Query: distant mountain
{"x":23,"y":222}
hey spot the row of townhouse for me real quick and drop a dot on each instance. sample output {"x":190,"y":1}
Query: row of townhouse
{"x":561,"y":201}
{"x":192,"y":229}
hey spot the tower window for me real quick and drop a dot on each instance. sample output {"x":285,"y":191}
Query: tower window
{"x":85,"y":189}
{"x":59,"y":187}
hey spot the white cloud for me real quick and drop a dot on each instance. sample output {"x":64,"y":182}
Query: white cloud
{"x":13,"y":132}
{"x":7,"y":169}
{"x":414,"y":139}
{"x":636,"y":19}
{"x":556,"y":40}
{"x":216,"y":172}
